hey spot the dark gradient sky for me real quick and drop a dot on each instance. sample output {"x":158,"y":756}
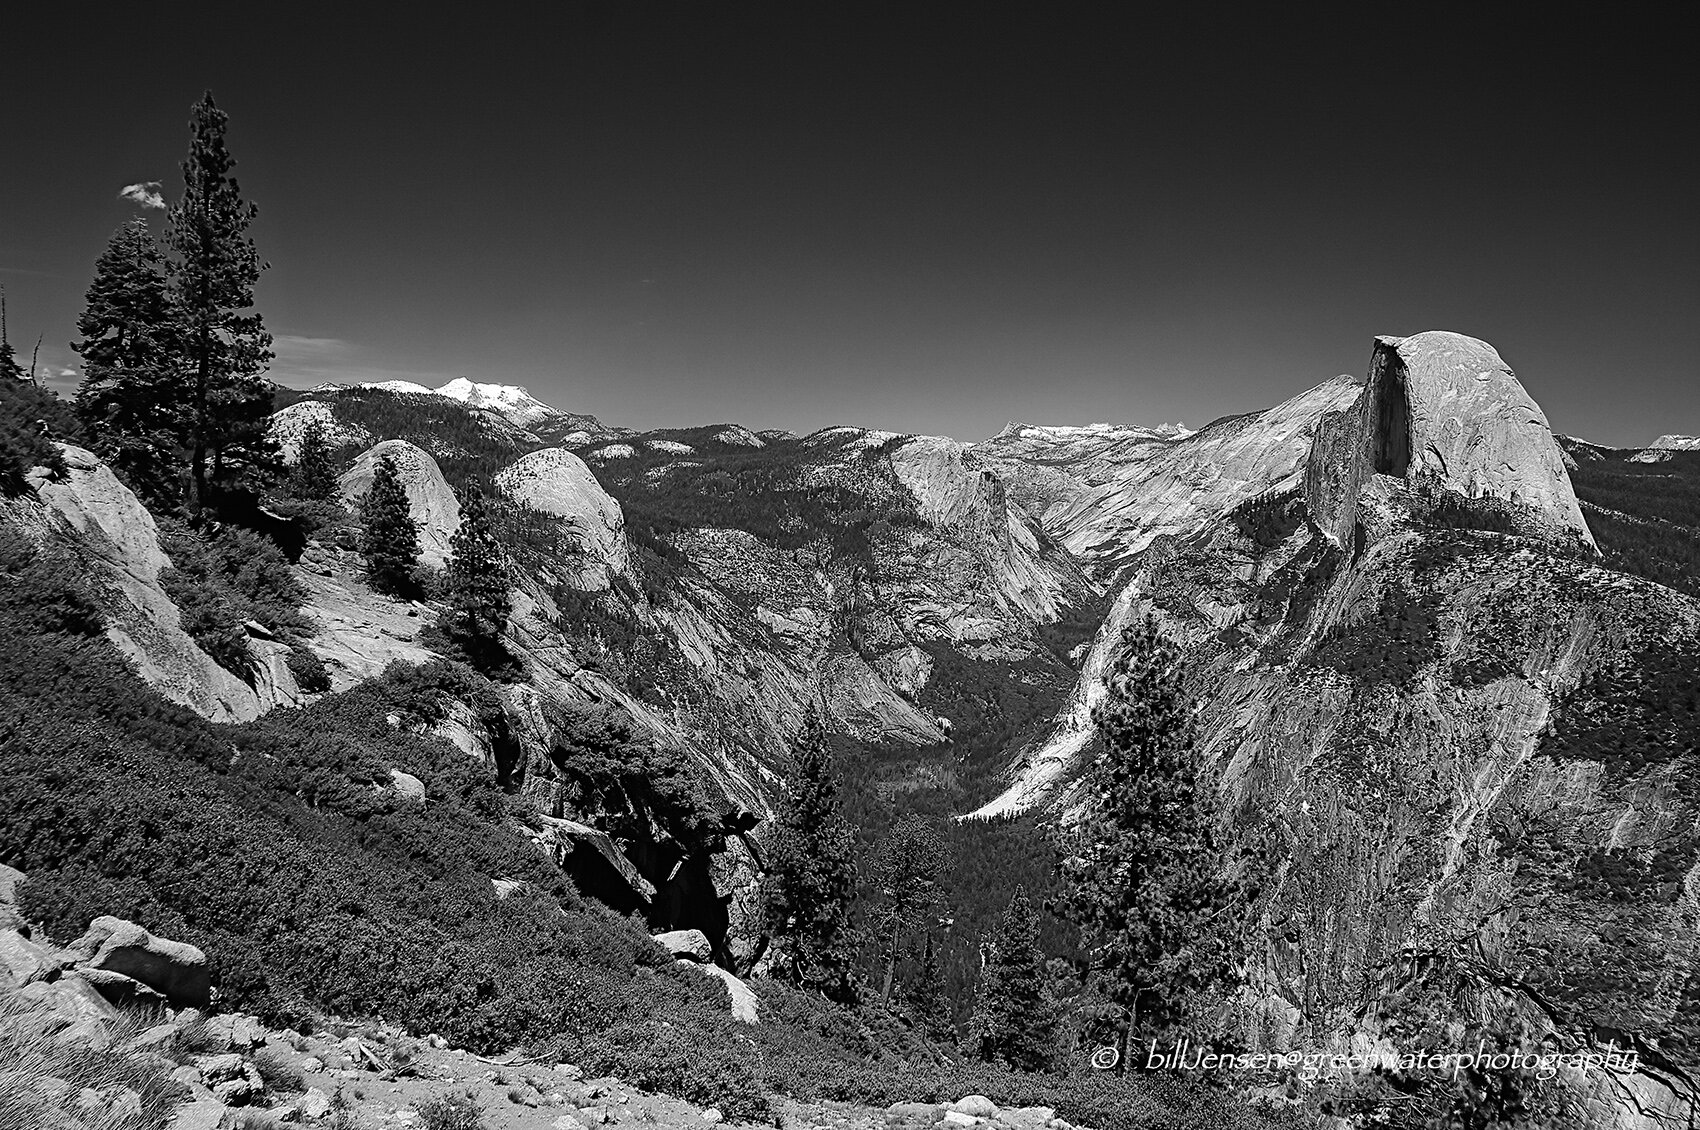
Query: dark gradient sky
{"x":922,"y":218}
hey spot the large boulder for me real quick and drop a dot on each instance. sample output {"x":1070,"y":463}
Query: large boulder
{"x":175,"y":970}
{"x":429,"y":500}
{"x":690,"y":945}
{"x":555,"y":481}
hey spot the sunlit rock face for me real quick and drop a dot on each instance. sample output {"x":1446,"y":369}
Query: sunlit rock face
{"x":1445,"y":413}
{"x":94,"y":516}
{"x":1389,"y":600}
{"x":557,"y":482}
{"x":430,"y":501}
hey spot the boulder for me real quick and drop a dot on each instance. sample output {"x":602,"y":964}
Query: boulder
{"x":315,"y":1104}
{"x":21,"y":960}
{"x":975,"y":1106}
{"x":690,"y":944}
{"x":177,"y":971}
{"x":429,"y":500}
{"x":67,"y":1000}
{"x":202,"y":1114}
{"x":409,"y":786}
{"x":744,"y":1002}
{"x":555,"y":481}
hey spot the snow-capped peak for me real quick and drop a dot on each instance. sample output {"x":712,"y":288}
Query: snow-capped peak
{"x":512,"y":401}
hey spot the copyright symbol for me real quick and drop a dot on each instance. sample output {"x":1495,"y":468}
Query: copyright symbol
{"x":1105,"y":1058}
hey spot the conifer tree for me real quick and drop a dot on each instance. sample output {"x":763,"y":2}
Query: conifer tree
{"x":389,"y":537}
{"x":810,"y":882}
{"x":10,"y":370}
{"x":479,"y":604}
{"x":1015,"y":1020}
{"x":905,"y":870}
{"x":315,"y":475}
{"x":926,"y":1000}
{"x":225,"y":346}
{"x":133,"y":399}
{"x":1147,"y":881}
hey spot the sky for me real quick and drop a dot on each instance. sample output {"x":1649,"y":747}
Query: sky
{"x":924,"y":218}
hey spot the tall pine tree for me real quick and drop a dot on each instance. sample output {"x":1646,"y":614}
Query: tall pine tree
{"x":905,"y":870}
{"x":225,"y":346}
{"x":810,"y":881}
{"x":1015,"y":1019}
{"x":133,"y":400}
{"x":389,"y":537}
{"x":10,"y":370}
{"x":1147,"y":881}
{"x":478,"y":597}
{"x":315,"y":475}
{"x":925,"y":998}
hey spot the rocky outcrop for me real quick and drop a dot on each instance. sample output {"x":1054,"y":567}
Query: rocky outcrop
{"x":429,"y":500}
{"x":126,"y":962}
{"x":1444,"y":412}
{"x":289,"y":424}
{"x":555,"y":481}
{"x":94,"y":517}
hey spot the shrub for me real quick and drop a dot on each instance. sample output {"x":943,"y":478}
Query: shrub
{"x":223,"y":577}
{"x":451,"y":1111}
{"x":281,"y":1077}
{"x":31,"y":418}
{"x":309,"y":670}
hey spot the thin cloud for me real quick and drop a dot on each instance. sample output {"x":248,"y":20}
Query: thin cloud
{"x":147,"y":194}
{"x":302,"y":362}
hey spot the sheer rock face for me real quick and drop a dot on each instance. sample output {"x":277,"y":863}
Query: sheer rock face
{"x":557,"y":482}
{"x":429,"y":499}
{"x":1443,"y":411}
{"x":92,"y":515}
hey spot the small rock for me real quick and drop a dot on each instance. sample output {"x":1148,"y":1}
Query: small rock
{"x":712,"y":1115}
{"x":202,"y":1114}
{"x":312,"y":1063}
{"x":960,"y":1118}
{"x":315,"y":1104}
{"x":218,"y":1068}
{"x":288,"y":1112}
{"x":977,"y":1105}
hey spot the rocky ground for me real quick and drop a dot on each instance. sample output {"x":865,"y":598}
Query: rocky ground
{"x":372,"y":1078}
{"x":118,"y":1030}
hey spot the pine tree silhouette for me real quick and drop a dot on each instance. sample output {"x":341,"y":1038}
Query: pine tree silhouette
{"x":315,"y":475}
{"x":477,"y":581}
{"x":811,"y":875}
{"x":1146,"y":881}
{"x":389,"y":537}
{"x":1015,"y":1020}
